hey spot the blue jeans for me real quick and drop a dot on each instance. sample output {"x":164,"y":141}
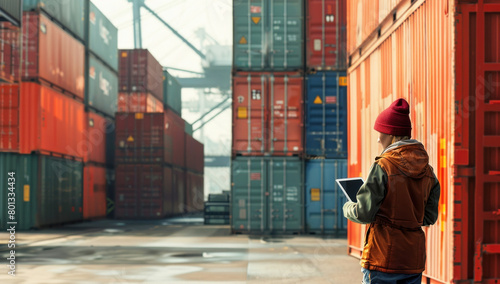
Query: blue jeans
{"x":377,"y":277}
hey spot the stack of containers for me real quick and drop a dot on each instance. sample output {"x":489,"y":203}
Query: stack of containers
{"x":267,"y":145}
{"x":325,"y":116}
{"x":101,"y":93}
{"x":43,"y":117}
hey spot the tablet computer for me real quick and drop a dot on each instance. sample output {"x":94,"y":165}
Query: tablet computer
{"x":350,"y":187}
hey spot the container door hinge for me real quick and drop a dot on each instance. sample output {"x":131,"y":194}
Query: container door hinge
{"x":478,"y":258}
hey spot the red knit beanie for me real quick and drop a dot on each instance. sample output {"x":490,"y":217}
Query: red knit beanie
{"x":395,"y":120}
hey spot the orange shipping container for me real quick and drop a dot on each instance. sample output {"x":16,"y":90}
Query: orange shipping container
{"x":94,"y":192}
{"x":445,"y":60}
{"x":138,"y":102}
{"x":95,"y":138}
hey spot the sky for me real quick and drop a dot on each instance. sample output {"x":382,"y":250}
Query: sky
{"x":187,"y":17}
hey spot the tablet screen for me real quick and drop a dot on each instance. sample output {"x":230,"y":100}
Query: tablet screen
{"x":350,"y":187}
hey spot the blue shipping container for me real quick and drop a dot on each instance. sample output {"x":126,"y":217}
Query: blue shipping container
{"x":324,"y":199}
{"x":326,"y":115}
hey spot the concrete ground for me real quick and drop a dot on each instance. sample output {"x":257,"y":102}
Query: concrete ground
{"x":178,"y":250}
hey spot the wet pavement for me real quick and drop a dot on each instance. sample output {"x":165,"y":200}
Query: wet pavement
{"x":176,"y":250}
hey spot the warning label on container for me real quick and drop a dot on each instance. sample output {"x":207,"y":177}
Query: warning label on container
{"x":318,"y":100}
{"x":255,"y":176}
{"x":255,"y":9}
{"x":255,"y":20}
{"x":256,"y":95}
{"x":130,"y":139}
{"x":315,"y":194}
{"x":331,"y":100}
{"x":243,"y":40}
{"x":343,"y":81}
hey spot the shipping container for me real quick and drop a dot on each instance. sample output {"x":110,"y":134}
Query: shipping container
{"x":194,"y":155}
{"x":138,"y":102}
{"x":110,"y":192}
{"x":50,"y":54}
{"x":217,"y":220}
{"x":102,"y":91}
{"x":175,"y":131}
{"x":194,"y":195}
{"x":216,"y":208}
{"x":178,"y":191}
{"x":11,"y":11}
{"x":96,"y":134}
{"x":143,"y":191}
{"x":267,"y":113}
{"x":324,"y":199}
{"x":140,"y":72}
{"x":326,"y":35}
{"x":68,"y":14}
{"x":267,"y":195}
{"x":268,"y":35}
{"x":9,"y":40}
{"x":172,"y":93}
{"x":102,"y":37}
{"x":48,"y":190}
{"x":40,"y":119}
{"x":451,"y":83}
{"x":94,"y":192}
{"x":188,"y":128}
{"x":326,"y":115}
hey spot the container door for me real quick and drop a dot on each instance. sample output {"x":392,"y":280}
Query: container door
{"x":249,"y":34}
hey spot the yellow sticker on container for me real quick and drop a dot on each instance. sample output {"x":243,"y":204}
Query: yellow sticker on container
{"x":130,"y":139}
{"x":139,"y":115}
{"x":255,"y":20}
{"x":242,"y":112}
{"x":343,"y":81}
{"x":26,"y":196}
{"x":315,"y":195}
{"x":243,"y":40}
{"x":318,"y":100}
{"x":124,"y":54}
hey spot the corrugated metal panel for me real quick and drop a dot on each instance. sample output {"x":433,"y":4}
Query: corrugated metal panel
{"x":178,"y":190}
{"x":12,"y":11}
{"x":95,"y":138}
{"x":69,"y":14}
{"x":51,"y":54}
{"x":267,"y":195}
{"x":326,"y":115}
{"x":9,"y":40}
{"x":25,"y":169}
{"x":94,"y":192}
{"x":267,"y":113}
{"x":172,"y":93}
{"x":50,"y":122}
{"x":194,"y":155}
{"x":102,"y":92}
{"x":268,"y":35}
{"x":194,"y":192}
{"x":103,"y":37}
{"x":138,"y":102}
{"x":9,"y":118}
{"x":139,"y":71}
{"x":324,"y":199}
{"x":175,"y":132}
{"x":450,"y":85}
{"x":326,"y":35}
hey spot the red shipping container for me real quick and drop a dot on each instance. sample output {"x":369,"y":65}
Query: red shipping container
{"x":9,"y":118}
{"x":95,"y":137}
{"x":451,"y":83}
{"x":138,"y":102}
{"x":9,"y":40}
{"x":140,"y":72}
{"x":195,"y":160}
{"x":143,"y":191}
{"x":194,"y":195}
{"x":176,"y":132}
{"x":94,"y":192}
{"x":48,"y":121}
{"x":267,"y":113}
{"x":326,"y":35}
{"x":178,"y":190}
{"x":51,"y":54}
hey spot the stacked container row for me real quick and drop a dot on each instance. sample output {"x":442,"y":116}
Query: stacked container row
{"x":451,"y":84}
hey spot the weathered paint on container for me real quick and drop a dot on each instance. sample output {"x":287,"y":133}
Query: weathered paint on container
{"x":140,"y":72}
{"x":12,"y":11}
{"x":102,"y":91}
{"x":103,"y":37}
{"x":267,"y":35}
{"x":143,"y":191}
{"x":138,"y":102}
{"x":451,"y":83}
{"x":194,"y":195}
{"x":194,"y":155}
{"x":326,"y":115}
{"x":267,"y":113}
{"x":326,"y":35}
{"x":69,"y":14}
{"x":172,"y":93}
{"x":40,"y":119}
{"x":94,"y":192}
{"x":267,"y":195}
{"x":324,"y":199}
{"x":96,"y":134}
{"x":51,"y":54}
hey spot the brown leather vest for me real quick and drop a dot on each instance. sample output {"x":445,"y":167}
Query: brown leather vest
{"x":395,"y":242}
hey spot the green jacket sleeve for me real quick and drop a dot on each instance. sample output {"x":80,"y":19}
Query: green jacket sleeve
{"x":432,"y":205}
{"x":370,"y":197}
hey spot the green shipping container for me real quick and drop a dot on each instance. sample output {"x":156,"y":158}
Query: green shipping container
{"x":172,"y":93}
{"x":102,"y":91}
{"x":188,"y":128}
{"x":47,"y":190}
{"x":268,"y":35}
{"x":70,"y":14}
{"x":267,"y":195}
{"x":103,"y":37}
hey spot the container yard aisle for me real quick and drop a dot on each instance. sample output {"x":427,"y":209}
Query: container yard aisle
{"x":176,"y":250}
